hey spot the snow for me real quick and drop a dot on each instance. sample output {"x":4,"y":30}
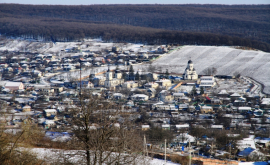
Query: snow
{"x":51,"y":155}
{"x":255,"y":64}
{"x":245,"y":143}
{"x":227,"y":60}
{"x":161,"y":162}
{"x":253,"y":163}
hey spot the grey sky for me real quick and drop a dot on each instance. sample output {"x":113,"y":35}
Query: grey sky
{"x":89,"y":2}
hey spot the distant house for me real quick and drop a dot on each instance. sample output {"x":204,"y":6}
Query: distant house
{"x":14,"y":86}
{"x":49,"y":112}
{"x":140,"y":97}
{"x":118,"y":96}
{"x":217,"y":127}
{"x":164,"y":83}
{"x":130,"y":84}
{"x":48,"y":124}
{"x":166,"y":126}
{"x":244,"y":109}
{"x":250,"y":153}
{"x":145,"y":127}
{"x":182,"y":126}
{"x":151,"y":85}
{"x":207,"y":81}
{"x":206,"y":109}
{"x":26,"y":108}
{"x":165,"y":96}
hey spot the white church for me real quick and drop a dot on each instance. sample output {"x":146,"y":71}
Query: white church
{"x":190,"y":72}
{"x":111,"y":81}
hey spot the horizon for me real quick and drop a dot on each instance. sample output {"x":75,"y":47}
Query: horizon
{"x":138,"y":2}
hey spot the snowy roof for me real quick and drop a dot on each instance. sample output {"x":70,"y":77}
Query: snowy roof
{"x":236,"y":95}
{"x":182,"y":125}
{"x":50,"y":110}
{"x":13,"y":84}
{"x":217,"y":126}
{"x":145,"y":126}
{"x":245,"y":143}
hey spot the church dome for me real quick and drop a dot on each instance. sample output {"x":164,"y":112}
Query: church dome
{"x":190,"y":62}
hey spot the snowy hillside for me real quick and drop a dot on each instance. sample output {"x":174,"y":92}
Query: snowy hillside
{"x":255,"y":64}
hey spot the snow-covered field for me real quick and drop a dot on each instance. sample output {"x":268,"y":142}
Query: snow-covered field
{"x":73,"y":156}
{"x":254,"y":64}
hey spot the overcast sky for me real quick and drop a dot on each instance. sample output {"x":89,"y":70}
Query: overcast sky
{"x":89,"y":2}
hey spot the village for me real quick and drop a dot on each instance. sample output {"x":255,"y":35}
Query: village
{"x":209,"y":116}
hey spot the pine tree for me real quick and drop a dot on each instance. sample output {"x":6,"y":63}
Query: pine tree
{"x":201,"y":90}
{"x":194,"y":91}
{"x":137,"y":76}
{"x":131,"y":72}
{"x":167,"y":73}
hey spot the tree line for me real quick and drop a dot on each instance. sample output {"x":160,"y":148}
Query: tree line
{"x":248,"y":21}
{"x":71,"y":30}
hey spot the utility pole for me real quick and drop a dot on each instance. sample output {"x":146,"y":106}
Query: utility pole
{"x":230,"y":150}
{"x":165,"y":149}
{"x":144,"y":146}
{"x":80,"y":78}
{"x":189,"y":154}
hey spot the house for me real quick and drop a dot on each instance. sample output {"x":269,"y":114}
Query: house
{"x":26,"y":108}
{"x":223,"y":93}
{"x":250,"y":153}
{"x":182,"y":127}
{"x":181,"y":97}
{"x":217,"y":127}
{"x":151,"y":85}
{"x":244,"y":109}
{"x":207,"y":81}
{"x":164,"y":96}
{"x":14,"y":86}
{"x":145,"y":127}
{"x":130,"y":84}
{"x":99,"y":81}
{"x":83,"y":84}
{"x":206,"y":109}
{"x":164,"y":83}
{"x":118,"y":96}
{"x":264,"y":142}
{"x":45,"y":90}
{"x":139,"y":97}
{"x":50,"y":112}
{"x":165,"y":126}
{"x":48,"y":124}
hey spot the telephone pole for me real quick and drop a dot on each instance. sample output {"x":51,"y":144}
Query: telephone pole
{"x":165,"y":150}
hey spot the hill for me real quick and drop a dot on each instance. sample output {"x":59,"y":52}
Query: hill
{"x":243,"y":25}
{"x":254,"y":64}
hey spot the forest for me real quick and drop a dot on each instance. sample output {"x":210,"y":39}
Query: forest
{"x":241,"y":25}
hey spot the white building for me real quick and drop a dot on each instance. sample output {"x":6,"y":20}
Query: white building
{"x":207,"y":81}
{"x":113,"y":82}
{"x":14,"y":85}
{"x":190,"y":73}
{"x":139,"y":97}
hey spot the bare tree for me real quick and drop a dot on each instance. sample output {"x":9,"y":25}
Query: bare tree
{"x":151,"y":68}
{"x":210,"y":71}
{"x":104,"y":135}
{"x":236,"y":74}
